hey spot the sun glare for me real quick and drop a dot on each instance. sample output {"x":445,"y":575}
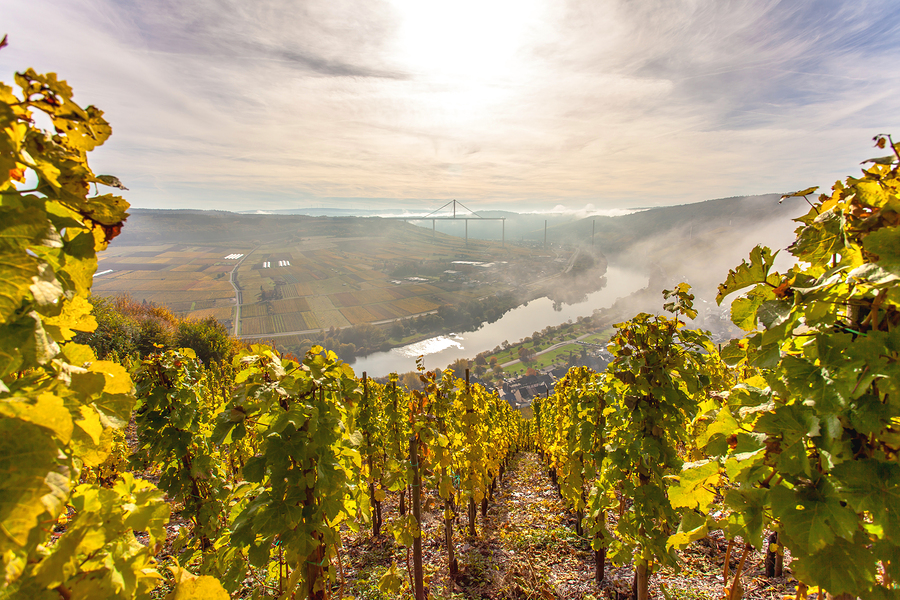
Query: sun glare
{"x":471,"y":39}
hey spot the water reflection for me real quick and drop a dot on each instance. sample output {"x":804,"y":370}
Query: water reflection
{"x":431,"y":345}
{"x":518,"y":323}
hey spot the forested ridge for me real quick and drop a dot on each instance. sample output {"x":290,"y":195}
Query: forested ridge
{"x":784,"y":441}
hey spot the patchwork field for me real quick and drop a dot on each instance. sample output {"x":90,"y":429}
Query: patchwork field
{"x":323,"y":273}
{"x":190,"y":280}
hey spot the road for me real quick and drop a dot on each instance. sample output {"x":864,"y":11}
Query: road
{"x":320,"y":329}
{"x":238,"y":295}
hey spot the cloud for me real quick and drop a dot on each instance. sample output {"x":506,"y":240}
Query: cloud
{"x":612,"y":103}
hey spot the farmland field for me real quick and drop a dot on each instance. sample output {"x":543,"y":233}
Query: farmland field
{"x":295,"y":274}
{"x":191,"y":281}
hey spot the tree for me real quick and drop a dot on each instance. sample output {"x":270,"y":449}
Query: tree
{"x":459,"y":367}
{"x":207,"y":338}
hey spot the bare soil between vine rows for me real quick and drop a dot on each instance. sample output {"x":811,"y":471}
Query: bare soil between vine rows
{"x":526,"y":548}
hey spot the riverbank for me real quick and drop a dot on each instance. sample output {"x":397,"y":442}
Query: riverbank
{"x":517,"y":324}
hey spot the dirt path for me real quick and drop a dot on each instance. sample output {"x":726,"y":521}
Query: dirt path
{"x":526,"y":549}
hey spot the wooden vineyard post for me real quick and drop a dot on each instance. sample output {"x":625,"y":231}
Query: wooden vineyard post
{"x":373,"y":501}
{"x":642,"y":581}
{"x":600,"y":565}
{"x":473,"y":511}
{"x":600,"y":555}
{"x":416,"y":488}
{"x":449,"y":514}
{"x":773,"y":554}
{"x":315,"y":562}
{"x":453,"y":566}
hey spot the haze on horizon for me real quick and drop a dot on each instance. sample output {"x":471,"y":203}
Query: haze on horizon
{"x":519,"y":105}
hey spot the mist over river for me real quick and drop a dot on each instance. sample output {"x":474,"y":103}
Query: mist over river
{"x":518,"y":323}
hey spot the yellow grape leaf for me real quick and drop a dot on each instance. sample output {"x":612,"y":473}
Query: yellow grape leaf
{"x":391,"y":582}
{"x":90,"y":423}
{"x":203,"y":587}
{"x":27,"y":456}
{"x":695,"y":485}
{"x":118,"y":381}
{"x":47,"y":411}
{"x":78,"y":354}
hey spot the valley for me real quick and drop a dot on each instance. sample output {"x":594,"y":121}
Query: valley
{"x":287,"y":278}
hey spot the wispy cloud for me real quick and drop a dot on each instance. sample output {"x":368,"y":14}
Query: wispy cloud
{"x":532,"y":103}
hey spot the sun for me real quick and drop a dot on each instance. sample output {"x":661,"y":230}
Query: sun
{"x":475,"y":40}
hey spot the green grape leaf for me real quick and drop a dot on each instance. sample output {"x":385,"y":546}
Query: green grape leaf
{"x":21,"y":228}
{"x":111,"y":181}
{"x":793,"y":424}
{"x":773,"y":313}
{"x":872,"y":486}
{"x":724,"y":424}
{"x":78,"y":354}
{"x":881,"y":160}
{"x":811,"y":520}
{"x":840,"y":567}
{"x":46,"y":290}
{"x":147,"y":510}
{"x":745,"y":310}
{"x":872,"y":273}
{"x":801,"y":193}
{"x":734,"y":351}
{"x":750,"y":273}
{"x":885,"y":243}
{"x":117,"y":379}
{"x":74,"y":316}
{"x":869,"y":415}
{"x":17,"y":272}
{"x":84,"y":129}
{"x":805,"y":381}
{"x":108,"y":210}
{"x":874,"y":194}
{"x":748,"y":517}
{"x":820,"y":239}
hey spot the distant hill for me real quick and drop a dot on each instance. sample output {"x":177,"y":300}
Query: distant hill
{"x":618,"y":234}
{"x":697,"y":243}
{"x":153,"y":226}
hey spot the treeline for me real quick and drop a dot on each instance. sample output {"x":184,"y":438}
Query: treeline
{"x":365,"y":338}
{"x":126,"y":327}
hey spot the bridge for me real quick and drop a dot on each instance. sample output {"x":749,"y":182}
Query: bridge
{"x":434,"y":218}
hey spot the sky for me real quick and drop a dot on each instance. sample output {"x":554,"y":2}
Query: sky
{"x":515,"y":104}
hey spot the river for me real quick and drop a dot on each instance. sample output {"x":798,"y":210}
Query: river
{"x":518,"y":323}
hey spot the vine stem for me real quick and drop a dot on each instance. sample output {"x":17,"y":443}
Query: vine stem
{"x":733,"y":593}
{"x":727,"y":561}
{"x":338,"y":547}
